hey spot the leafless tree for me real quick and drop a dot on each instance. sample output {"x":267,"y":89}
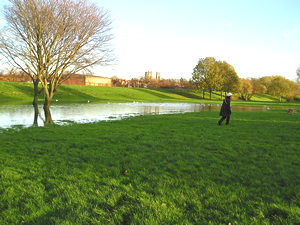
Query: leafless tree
{"x":50,"y":40}
{"x":298,"y":74}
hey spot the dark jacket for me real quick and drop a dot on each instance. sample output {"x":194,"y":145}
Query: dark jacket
{"x":226,"y":108}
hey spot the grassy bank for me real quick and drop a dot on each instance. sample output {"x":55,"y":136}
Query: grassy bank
{"x":12,"y":92}
{"x":167,"y":169}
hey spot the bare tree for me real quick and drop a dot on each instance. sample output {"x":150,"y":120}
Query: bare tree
{"x":50,"y":40}
{"x":298,"y":74}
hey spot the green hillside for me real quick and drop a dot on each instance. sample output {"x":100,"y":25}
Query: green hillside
{"x":14,"y":92}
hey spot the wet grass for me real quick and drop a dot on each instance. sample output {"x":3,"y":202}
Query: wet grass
{"x":167,"y":169}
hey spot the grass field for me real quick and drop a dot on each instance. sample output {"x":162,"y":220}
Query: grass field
{"x":13,"y":92}
{"x":167,"y":169}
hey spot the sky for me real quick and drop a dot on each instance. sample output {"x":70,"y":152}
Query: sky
{"x":257,"y":37}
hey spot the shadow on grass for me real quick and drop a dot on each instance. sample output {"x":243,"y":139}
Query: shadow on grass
{"x":26,"y":89}
{"x":297,"y":99}
{"x":64,"y":91}
{"x":264,"y":97}
{"x":20,"y":94}
{"x":5,"y":98}
{"x":183,"y":93}
{"x":154,"y":93}
{"x":191,"y":94}
{"x":51,"y":216}
{"x":217,"y":95}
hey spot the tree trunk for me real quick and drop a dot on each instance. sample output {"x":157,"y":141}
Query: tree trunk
{"x":209,"y":94}
{"x":221,"y":95}
{"x":203,"y":93}
{"x":36,"y":93}
{"x":48,"y":118}
{"x":36,"y":115}
{"x":35,"y":101}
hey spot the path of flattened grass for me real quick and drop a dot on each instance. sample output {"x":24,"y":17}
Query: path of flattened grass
{"x":168,"y":169}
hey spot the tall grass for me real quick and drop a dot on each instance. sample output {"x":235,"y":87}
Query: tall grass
{"x":167,"y":169}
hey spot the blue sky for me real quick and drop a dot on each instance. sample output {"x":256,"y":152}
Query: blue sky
{"x":257,"y":37}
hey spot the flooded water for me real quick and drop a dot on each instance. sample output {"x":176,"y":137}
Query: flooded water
{"x":23,"y":115}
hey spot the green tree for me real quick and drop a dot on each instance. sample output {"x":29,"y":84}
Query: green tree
{"x":279,"y":87}
{"x":229,"y":78}
{"x":197,"y":81}
{"x":246,"y":90}
{"x":266,"y":82}
{"x":258,"y":86}
{"x":206,"y":75}
{"x":294,"y":90}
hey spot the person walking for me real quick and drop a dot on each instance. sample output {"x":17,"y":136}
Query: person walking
{"x":225,"y":111}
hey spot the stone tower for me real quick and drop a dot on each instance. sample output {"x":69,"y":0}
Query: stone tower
{"x":148,"y":74}
{"x":157,"y":75}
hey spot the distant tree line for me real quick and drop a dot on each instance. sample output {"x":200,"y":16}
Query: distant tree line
{"x":211,"y":75}
{"x":273,"y":85}
{"x":14,"y":76}
{"x":143,"y":82}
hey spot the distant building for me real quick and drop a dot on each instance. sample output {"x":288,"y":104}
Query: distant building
{"x":75,"y":79}
{"x":148,"y":74}
{"x":157,"y":75}
{"x":88,"y":80}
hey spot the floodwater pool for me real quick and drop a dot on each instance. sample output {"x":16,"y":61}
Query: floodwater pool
{"x":23,"y":115}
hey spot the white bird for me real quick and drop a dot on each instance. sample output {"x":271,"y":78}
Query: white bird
{"x":88,"y":101}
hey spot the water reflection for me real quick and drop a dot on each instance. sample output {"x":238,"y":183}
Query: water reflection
{"x":11,"y":115}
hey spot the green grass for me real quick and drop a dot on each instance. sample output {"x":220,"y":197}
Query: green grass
{"x":13,"y":92}
{"x":264,"y":97}
{"x":167,"y":169}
